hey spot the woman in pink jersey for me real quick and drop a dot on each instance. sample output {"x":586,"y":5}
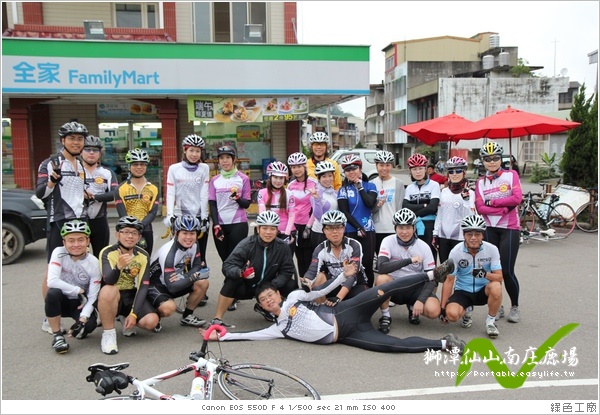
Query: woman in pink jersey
{"x":301,"y":188}
{"x":497,"y":195}
{"x":275,"y":197}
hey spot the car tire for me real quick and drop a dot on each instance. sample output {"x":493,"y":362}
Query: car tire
{"x":13,"y":243}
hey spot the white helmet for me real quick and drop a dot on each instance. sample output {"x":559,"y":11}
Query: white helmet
{"x":473,"y":223}
{"x":324,"y":167}
{"x":318,"y":137}
{"x":404,"y":217}
{"x":296,"y":159}
{"x":277,"y":168}
{"x":268,"y":218}
{"x":384,"y":157}
{"x":137,"y":155}
{"x":456,"y":163}
{"x":333,"y":217}
{"x":193,"y":140}
{"x":75,"y":226}
{"x":491,"y":148}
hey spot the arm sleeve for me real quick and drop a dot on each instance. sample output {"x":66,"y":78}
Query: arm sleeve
{"x":246,"y":198}
{"x":110,"y":274}
{"x":213,"y":212}
{"x":92,"y":291}
{"x":430,"y":209}
{"x":204,"y":191}
{"x":183,"y":280}
{"x":110,"y":194}
{"x":269,"y":333}
{"x":369,"y":196}
{"x":142,"y":290}
{"x":313,"y":295}
{"x":385,"y":266}
{"x":119,"y":205}
{"x":42,"y":190}
{"x":170,"y":196}
{"x":344,"y":207}
{"x":428,"y":288}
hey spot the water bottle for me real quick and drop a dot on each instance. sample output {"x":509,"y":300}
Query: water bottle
{"x":197,"y":391}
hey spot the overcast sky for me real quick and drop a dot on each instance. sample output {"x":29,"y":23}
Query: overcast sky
{"x":552,"y":34}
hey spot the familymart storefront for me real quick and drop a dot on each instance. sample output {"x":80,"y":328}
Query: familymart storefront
{"x":151,"y":95}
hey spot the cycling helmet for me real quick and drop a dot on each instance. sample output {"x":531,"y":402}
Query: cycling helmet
{"x":193,"y":140}
{"x":404,"y":217}
{"x":268,"y":218}
{"x":350,"y":160}
{"x":324,"y":167}
{"x":186,"y":223}
{"x":129,"y":222}
{"x":473,"y":223}
{"x":318,"y":137}
{"x":75,"y":226}
{"x":456,"y":163}
{"x":137,"y":155}
{"x":333,"y":217}
{"x":93,"y":141}
{"x":226,"y":150}
{"x":72,"y":127}
{"x":384,"y":157}
{"x":417,"y":160}
{"x":278,"y":169}
{"x":297,"y":159}
{"x":491,"y":148}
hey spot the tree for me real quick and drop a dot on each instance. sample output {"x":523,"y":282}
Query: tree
{"x":335,"y":110}
{"x":579,"y":163}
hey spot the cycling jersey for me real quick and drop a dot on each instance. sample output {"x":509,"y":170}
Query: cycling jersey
{"x":503,"y":191}
{"x":337,"y":175}
{"x":228,"y":210}
{"x":487,"y":258}
{"x":70,"y":276}
{"x":65,"y":200}
{"x":136,"y":275}
{"x":326,"y":201}
{"x":302,"y":197}
{"x":417,"y":196}
{"x":173,"y":260}
{"x":391,"y":191}
{"x":141,"y":204}
{"x":391,"y":249}
{"x":324,"y":260}
{"x":357,"y":209}
{"x":187,"y":190}
{"x":287,"y":216}
{"x":102,"y":183}
{"x":451,"y":211}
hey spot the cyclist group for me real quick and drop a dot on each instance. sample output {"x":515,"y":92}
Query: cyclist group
{"x":335,"y":226}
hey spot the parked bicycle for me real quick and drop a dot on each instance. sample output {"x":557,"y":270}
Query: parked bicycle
{"x":544,"y":219}
{"x":246,"y":381}
{"x":587,"y":215}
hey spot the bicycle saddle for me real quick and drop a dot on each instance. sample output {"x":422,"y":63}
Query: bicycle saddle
{"x":98,"y":367}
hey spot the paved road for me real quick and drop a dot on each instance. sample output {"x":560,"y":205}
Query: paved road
{"x":559,"y":285}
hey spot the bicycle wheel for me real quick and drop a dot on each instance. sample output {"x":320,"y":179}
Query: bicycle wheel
{"x":587,"y":217}
{"x":236,"y":386}
{"x":562,"y":220}
{"x":527,"y":219}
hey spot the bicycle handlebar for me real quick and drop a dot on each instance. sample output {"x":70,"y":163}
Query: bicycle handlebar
{"x":222,"y":331}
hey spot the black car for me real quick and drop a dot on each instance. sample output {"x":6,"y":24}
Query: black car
{"x":23,"y":222}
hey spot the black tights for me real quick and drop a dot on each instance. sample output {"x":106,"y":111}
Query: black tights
{"x":368,"y":247}
{"x":353,"y":317}
{"x":507,"y":241}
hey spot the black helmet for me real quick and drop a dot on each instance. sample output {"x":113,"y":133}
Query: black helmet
{"x":129,"y":222}
{"x":72,"y":127}
{"x":93,"y":141}
{"x":226,"y":150}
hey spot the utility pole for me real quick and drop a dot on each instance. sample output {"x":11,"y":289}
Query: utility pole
{"x":555,"y":42}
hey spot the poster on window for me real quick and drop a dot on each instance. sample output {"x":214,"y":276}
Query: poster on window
{"x":247,"y":110}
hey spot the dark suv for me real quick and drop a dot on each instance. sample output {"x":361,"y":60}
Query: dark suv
{"x":23,"y":222}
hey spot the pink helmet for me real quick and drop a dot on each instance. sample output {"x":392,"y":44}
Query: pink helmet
{"x":456,"y":163}
{"x":277,"y":168}
{"x":417,"y":160}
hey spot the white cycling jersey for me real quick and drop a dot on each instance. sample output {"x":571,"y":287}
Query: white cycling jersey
{"x":187,"y":190}
{"x":391,"y":249}
{"x":70,"y":276}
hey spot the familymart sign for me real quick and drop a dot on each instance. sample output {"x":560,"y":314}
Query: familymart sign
{"x":44,"y":66}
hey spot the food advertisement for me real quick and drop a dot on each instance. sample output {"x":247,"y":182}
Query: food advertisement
{"x":247,"y":110}
{"x":125,"y":109}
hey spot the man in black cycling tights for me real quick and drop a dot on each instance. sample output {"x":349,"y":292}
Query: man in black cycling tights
{"x":348,"y":322}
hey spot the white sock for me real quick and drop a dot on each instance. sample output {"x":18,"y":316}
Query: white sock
{"x":385,"y":312}
{"x":430,"y":275}
{"x":490,"y":319}
{"x":443,"y":344}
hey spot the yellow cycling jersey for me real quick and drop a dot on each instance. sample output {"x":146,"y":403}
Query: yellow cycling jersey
{"x":139,"y":204}
{"x":132,"y":275}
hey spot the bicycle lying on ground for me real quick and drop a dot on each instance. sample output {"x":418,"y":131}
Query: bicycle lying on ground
{"x":544,"y":219}
{"x":587,"y":215}
{"x":242,"y":381}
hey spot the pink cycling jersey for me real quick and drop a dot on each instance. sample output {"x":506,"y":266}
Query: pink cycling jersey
{"x":503,"y":191}
{"x":287,"y":215}
{"x":302,"y":196}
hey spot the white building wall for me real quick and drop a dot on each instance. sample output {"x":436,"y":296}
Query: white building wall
{"x":275,"y":21}
{"x":184,"y":16}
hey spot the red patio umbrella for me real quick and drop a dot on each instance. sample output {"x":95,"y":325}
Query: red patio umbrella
{"x":438,"y":129}
{"x":513,"y":123}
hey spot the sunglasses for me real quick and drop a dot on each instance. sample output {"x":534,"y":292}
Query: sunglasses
{"x":455,"y":171}
{"x":91,"y":150}
{"x":351,"y":167}
{"x":490,"y":159}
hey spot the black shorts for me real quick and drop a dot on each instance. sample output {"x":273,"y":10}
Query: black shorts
{"x":159,"y":293}
{"x":467,"y":299}
{"x":126,"y":305}
{"x":410,"y":298}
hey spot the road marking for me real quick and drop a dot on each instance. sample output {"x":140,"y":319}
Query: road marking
{"x":458,"y":389}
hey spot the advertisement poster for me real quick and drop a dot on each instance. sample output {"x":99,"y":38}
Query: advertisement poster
{"x":242,"y":110}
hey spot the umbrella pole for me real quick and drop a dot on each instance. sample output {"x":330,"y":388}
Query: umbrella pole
{"x":509,"y":149}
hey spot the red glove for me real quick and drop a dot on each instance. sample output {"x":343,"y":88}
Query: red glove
{"x":248,"y":273}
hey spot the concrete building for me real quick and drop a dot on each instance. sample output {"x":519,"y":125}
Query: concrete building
{"x":374,"y":119}
{"x":148,"y":74}
{"x":472,"y":77}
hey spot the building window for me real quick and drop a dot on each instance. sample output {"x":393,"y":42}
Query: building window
{"x":141,"y":15}
{"x":202,"y":22}
{"x":230,"y":19}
